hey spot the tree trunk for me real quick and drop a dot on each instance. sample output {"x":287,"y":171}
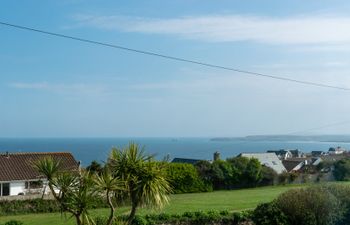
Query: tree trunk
{"x":132,"y":213}
{"x":78,"y":220}
{"x":111,"y":206}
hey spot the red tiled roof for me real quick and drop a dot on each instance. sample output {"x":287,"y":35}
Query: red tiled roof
{"x":19,"y":166}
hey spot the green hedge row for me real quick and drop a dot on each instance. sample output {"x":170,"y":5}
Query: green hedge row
{"x":187,"y":218}
{"x":16,"y":207}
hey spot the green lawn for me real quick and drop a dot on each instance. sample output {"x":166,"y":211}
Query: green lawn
{"x":235,"y":200}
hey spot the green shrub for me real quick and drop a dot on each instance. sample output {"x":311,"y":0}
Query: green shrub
{"x":269,"y":214}
{"x":342,"y":170}
{"x":16,"y":207}
{"x":184,"y":178}
{"x":194,"y":218}
{"x":100,"y":220}
{"x":310,"y":206}
{"x":139,"y":220}
{"x":13,"y":222}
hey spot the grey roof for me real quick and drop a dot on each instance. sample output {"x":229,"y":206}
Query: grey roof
{"x":292,"y":164}
{"x":268,"y":159}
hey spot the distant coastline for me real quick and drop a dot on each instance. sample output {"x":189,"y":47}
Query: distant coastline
{"x":311,"y":138}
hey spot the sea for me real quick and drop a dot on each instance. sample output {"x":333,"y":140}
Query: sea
{"x":89,"y":149}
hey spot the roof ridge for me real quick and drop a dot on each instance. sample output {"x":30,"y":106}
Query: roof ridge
{"x":34,"y":153}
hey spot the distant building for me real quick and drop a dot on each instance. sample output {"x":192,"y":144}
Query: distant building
{"x":19,"y":177}
{"x":267,"y":159}
{"x":284,"y":154}
{"x":296,"y":153}
{"x":336,"y":151}
{"x":294,"y":165}
{"x":318,"y":153}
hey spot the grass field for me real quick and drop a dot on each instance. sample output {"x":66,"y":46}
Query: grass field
{"x":235,"y":200}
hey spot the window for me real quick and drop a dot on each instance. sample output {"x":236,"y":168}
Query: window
{"x":33,"y":184}
{"x":5,"y":189}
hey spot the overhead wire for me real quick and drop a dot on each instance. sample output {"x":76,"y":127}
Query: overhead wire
{"x":169,"y":57}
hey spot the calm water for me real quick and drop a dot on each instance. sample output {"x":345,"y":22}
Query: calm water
{"x":88,"y":149}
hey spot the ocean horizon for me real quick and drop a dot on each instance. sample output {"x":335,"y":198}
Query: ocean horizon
{"x":89,"y":149}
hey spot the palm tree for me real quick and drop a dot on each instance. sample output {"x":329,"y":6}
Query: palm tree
{"x":49,"y":168}
{"x":109,"y":185}
{"x":75,"y":191}
{"x":144,"y":179}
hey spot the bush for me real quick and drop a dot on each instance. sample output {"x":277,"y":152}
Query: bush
{"x":342,"y":170}
{"x":184,"y":178}
{"x":15,"y":207}
{"x":194,"y":218}
{"x":311,"y":206}
{"x":269,"y":214}
{"x":269,"y":176}
{"x":13,"y":222}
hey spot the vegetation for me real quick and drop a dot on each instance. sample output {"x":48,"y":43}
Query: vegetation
{"x":184,"y":178}
{"x":130,"y":175}
{"x":145,"y":180}
{"x":231,"y":200}
{"x":342,"y":170}
{"x":237,"y":172}
{"x":316,"y":205}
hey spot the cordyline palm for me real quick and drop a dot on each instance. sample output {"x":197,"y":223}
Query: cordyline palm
{"x":48,"y":167}
{"x":79,"y":196}
{"x":144,"y":179}
{"x":75,"y":192}
{"x":110,"y":186}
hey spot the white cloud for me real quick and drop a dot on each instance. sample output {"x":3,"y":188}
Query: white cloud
{"x":301,"y":30}
{"x":77,"y":88}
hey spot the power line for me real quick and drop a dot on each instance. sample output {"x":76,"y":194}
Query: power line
{"x":173,"y":57}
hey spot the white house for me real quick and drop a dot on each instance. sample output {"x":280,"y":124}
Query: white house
{"x":267,"y":159}
{"x":19,"y":177}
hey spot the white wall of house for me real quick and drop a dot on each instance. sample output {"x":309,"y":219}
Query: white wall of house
{"x":17,"y":187}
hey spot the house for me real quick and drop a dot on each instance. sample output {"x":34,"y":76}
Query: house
{"x":267,"y":159}
{"x":19,"y":177}
{"x":282,"y":153}
{"x":336,"y":151}
{"x":295,"y":164}
{"x":296,"y":153}
{"x":317,"y":153}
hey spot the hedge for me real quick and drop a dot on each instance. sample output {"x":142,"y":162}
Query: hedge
{"x":187,"y":218}
{"x":16,"y":207}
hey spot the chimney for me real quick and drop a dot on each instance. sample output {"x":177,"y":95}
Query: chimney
{"x":216,"y":156}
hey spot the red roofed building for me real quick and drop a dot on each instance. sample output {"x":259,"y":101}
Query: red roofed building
{"x":19,"y":177}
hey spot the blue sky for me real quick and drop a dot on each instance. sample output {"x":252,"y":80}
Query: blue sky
{"x":52,"y":87}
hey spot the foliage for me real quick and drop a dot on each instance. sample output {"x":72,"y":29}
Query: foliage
{"x":268,"y":176}
{"x":76,"y":193}
{"x":184,"y":178}
{"x":109,"y":186}
{"x":234,"y":172}
{"x":342,"y":170}
{"x":193,"y":218}
{"x":283,"y":178}
{"x":269,"y":214}
{"x":310,"y":206}
{"x":145,"y":179}
{"x":95,"y":167}
{"x":324,"y":166}
{"x":16,"y":207}
{"x":342,"y":193}
{"x":13,"y":222}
